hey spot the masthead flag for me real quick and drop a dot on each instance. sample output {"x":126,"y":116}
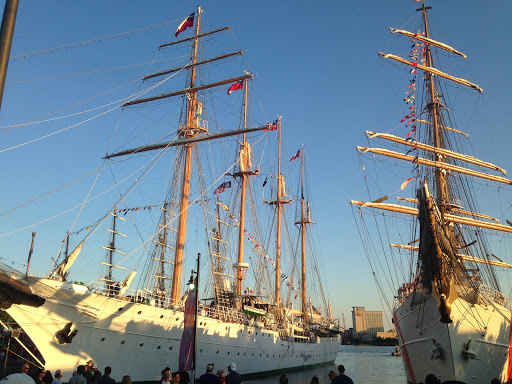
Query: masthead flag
{"x":296,"y":156}
{"x":188,"y":22}
{"x":236,"y":86}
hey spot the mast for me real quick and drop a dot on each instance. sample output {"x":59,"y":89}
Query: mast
{"x":187,"y":131}
{"x":163,"y":246}
{"x":303,"y":232}
{"x":67,"y":246}
{"x":303,"y":221}
{"x":112,"y":249}
{"x":243,"y":176}
{"x":442,"y":188}
{"x":278,"y":229}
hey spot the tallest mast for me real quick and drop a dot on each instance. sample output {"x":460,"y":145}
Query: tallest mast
{"x":434,"y":110}
{"x":190,"y":130}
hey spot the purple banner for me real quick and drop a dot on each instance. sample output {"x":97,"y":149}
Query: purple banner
{"x":187,"y":339}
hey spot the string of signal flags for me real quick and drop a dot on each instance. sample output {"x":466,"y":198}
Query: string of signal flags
{"x":418,"y":50}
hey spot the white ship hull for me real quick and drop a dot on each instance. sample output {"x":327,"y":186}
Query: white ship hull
{"x":474,"y":348}
{"x":140,"y":340}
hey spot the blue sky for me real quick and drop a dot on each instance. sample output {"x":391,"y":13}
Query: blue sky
{"x":316,"y":65}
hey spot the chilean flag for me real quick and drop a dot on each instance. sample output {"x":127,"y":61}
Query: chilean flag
{"x":236,"y":86}
{"x":188,"y":22}
{"x":296,"y":156}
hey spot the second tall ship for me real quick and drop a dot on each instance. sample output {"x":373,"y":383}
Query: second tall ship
{"x":450,"y":313}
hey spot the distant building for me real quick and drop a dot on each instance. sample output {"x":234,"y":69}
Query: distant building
{"x":387,"y":335}
{"x":367,"y":322}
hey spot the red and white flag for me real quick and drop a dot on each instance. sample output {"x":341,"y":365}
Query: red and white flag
{"x":188,"y":22}
{"x":236,"y":86}
{"x":272,"y":126}
{"x":296,"y":156}
{"x":404,"y":184}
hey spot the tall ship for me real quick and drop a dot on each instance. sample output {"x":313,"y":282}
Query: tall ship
{"x":426,"y":238}
{"x":260,"y":299}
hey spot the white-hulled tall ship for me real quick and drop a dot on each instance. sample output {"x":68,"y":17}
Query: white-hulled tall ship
{"x":132,"y":318}
{"x":451,"y":316}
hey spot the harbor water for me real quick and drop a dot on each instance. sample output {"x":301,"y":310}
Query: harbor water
{"x":364,"y":364}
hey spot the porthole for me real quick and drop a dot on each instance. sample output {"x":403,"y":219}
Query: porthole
{"x":260,"y":354}
{"x":249,"y":332}
{"x":161,"y":316}
{"x":138,"y":313}
{"x":177,"y":318}
{"x":253,"y":354}
{"x":228,"y":352}
{"x":200,"y":351}
{"x":102,"y":339}
{"x":170,"y":347}
{"x":141,"y":344}
{"x":244,"y":353}
{"x":120,"y":309}
{"x":238,"y":354}
{"x":122,"y":342}
{"x":217,"y":352}
{"x":256,"y":333}
{"x":159,"y":347}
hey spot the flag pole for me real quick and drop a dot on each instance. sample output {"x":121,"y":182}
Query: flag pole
{"x":6,"y":33}
{"x":195,"y":319}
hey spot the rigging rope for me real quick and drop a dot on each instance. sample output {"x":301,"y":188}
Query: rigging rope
{"x":87,"y":42}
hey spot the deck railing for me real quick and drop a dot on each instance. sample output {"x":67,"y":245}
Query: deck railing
{"x":495,"y":296}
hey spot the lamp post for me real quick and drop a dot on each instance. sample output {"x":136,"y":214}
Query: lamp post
{"x":193,"y":283}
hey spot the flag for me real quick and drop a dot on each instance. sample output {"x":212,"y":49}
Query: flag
{"x":414,"y":148}
{"x":236,"y":86}
{"x":221,"y":188}
{"x":188,"y":22}
{"x":271,"y":126}
{"x":412,"y":114}
{"x":187,"y":339}
{"x":404,"y":184}
{"x":296,"y":156}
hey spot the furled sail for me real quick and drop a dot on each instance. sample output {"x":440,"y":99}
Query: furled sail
{"x":447,"y":166}
{"x":427,"y":40}
{"x":441,"y":151}
{"x":67,"y":263}
{"x":282,"y":185}
{"x":127,"y":282}
{"x":449,"y":218}
{"x":245,"y":157}
{"x":431,"y":70}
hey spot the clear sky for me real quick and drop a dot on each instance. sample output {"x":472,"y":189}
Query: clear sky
{"x":316,"y":65}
